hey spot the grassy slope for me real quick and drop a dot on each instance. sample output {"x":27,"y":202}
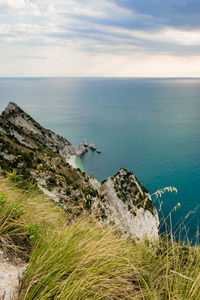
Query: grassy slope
{"x":81,"y":260}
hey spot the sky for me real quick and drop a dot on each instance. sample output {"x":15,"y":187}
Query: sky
{"x":114,"y":38}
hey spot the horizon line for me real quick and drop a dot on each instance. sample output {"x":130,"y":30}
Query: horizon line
{"x":121,"y":77}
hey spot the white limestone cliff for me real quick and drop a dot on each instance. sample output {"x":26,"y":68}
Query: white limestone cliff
{"x":127,"y":206}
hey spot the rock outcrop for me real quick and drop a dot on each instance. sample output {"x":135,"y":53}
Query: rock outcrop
{"x":40,"y":156}
{"x":129,"y":205}
{"x":18,"y":124}
{"x":10,"y":276}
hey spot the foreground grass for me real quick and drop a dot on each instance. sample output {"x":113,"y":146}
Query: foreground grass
{"x":82,"y":260}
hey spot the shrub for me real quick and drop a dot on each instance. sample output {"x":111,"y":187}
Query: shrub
{"x":68,"y":192}
{"x":75,"y":186}
{"x":52,"y":180}
{"x":88,"y":203}
{"x":28,"y":158}
{"x":67,"y":179}
{"x":34,"y":232}
{"x":13,"y":176}
{"x":17,"y":210}
{"x":3,"y":199}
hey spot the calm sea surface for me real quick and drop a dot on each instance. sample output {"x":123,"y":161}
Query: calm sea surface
{"x":150,"y":126}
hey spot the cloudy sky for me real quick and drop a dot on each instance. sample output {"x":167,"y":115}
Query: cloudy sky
{"x":146,"y":38}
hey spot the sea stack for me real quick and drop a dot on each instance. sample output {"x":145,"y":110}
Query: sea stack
{"x":85,"y":143}
{"x":92,"y":146}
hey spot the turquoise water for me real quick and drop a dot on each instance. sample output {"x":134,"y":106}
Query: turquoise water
{"x":150,"y":126}
{"x":79,"y":164}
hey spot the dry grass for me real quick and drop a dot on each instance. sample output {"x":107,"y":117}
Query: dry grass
{"x":82,"y":260}
{"x":36,"y":206}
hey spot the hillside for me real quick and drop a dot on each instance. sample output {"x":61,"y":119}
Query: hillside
{"x":40,"y":156}
{"x":59,"y":259}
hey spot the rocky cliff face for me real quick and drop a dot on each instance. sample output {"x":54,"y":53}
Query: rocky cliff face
{"x":40,"y":156}
{"x":18,"y":124}
{"x":129,"y":205}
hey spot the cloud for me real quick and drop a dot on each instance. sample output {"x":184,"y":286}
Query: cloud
{"x":86,"y":8}
{"x":59,"y":61}
{"x":21,"y":32}
{"x":92,"y":37}
{"x":173,"y":13}
{"x":183,"y":37}
{"x":165,"y":35}
{"x":19,"y":8}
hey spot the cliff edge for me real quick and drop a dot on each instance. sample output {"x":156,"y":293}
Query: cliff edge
{"x":40,"y":156}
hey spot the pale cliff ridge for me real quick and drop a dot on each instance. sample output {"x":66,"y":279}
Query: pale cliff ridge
{"x":40,"y":156}
{"x":128,"y":204}
{"x":17,"y":123}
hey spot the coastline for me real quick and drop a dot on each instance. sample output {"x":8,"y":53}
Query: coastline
{"x":76,"y":162}
{"x":72,"y":161}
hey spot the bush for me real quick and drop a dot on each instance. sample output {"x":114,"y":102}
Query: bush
{"x":68,"y":192}
{"x":75,"y":186}
{"x":52,"y":180}
{"x":28,"y":158}
{"x":34,"y":232}
{"x":88,"y":203}
{"x":17,"y":210}
{"x":67,"y":179}
{"x":13,"y":176}
{"x":3,"y":199}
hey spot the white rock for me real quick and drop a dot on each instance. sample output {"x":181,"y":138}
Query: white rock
{"x":10,"y":277}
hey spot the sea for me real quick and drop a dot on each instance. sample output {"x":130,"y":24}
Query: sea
{"x":149,"y":126}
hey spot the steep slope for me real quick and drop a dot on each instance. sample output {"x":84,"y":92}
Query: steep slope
{"x":127,"y":200}
{"x":18,"y":124}
{"x":39,"y":156}
{"x":82,"y":259}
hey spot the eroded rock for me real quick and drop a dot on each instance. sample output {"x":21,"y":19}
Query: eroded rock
{"x":129,"y":206}
{"x":10,"y":276}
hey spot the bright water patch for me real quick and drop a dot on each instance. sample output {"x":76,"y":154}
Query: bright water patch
{"x":79,"y":164}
